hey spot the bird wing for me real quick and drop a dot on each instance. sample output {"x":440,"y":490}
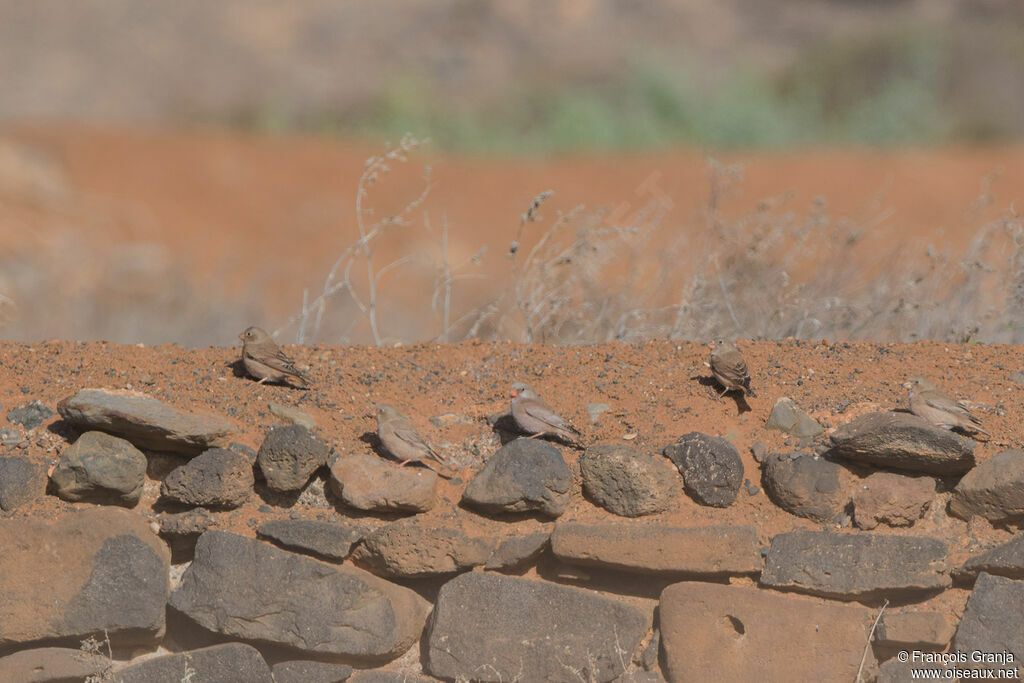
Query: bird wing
{"x":731,"y":364}
{"x":942,"y":402}
{"x":539,"y":410}
{"x":277,"y":359}
{"x":407,"y":433}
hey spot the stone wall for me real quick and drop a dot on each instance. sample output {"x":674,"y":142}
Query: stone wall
{"x":158,"y":545}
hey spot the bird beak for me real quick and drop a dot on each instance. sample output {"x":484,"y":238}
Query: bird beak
{"x":241,"y":336}
{"x":514,"y":393}
{"x":907,"y":385}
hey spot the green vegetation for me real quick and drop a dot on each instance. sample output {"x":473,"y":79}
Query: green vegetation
{"x":891,"y":88}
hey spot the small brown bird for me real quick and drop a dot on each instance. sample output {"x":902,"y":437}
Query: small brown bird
{"x":536,"y":418}
{"x":264,"y":359}
{"x":729,"y":368}
{"x":401,"y":439}
{"x":936,"y":407}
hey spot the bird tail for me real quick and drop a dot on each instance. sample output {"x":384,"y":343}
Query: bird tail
{"x":437,"y":457}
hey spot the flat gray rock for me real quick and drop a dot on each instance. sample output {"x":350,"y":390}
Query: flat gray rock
{"x":189,"y":523}
{"x":88,"y":571}
{"x":367,"y":482}
{"x":628,"y":482}
{"x":326,"y":540}
{"x":292,"y":415}
{"x":289,"y":456}
{"x":806,"y":485}
{"x":218,"y":478}
{"x":993,"y":621}
{"x":416,"y":548}
{"x":384,"y":676}
{"x":21,"y":481}
{"x":1003,"y":560}
{"x":100,"y":468}
{"x":741,"y":633}
{"x":856,"y":566}
{"x":788,"y":418}
{"x":52,"y":665}
{"x":711,"y":467}
{"x":930,"y":631}
{"x":524,"y":475}
{"x":518,"y":551}
{"x":994,"y":489}
{"x":707,"y":551}
{"x":490,"y":627}
{"x":905,"y":442}
{"x":304,"y":671}
{"x":227,"y":663}
{"x":30,"y":415}
{"x":253,"y":591}
{"x":145,"y":421}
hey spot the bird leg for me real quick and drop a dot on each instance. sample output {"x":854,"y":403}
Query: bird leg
{"x":263,"y":380}
{"x":404,"y":463}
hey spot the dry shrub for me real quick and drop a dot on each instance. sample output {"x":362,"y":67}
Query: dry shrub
{"x":768,"y":274}
{"x":576,"y":276}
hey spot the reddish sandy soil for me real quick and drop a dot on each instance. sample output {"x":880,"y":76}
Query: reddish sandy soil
{"x":653,"y":390}
{"x":264,"y":218}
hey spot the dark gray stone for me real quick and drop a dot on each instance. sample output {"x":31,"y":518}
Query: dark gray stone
{"x":518,"y":551}
{"x":127,"y":579}
{"x":30,"y":415}
{"x":53,"y":665}
{"x":248,"y":451}
{"x":303,"y":671}
{"x":215,"y":478}
{"x":190,"y":523}
{"x":327,"y":540}
{"x":415,"y":548}
{"x":490,"y":627}
{"x":806,"y":485}
{"x":251,"y":590}
{"x":788,"y":418}
{"x":993,"y":489}
{"x":626,"y":481}
{"x":99,"y":467}
{"x":227,"y":663}
{"x":21,"y":481}
{"x":523,"y":476}
{"x":905,"y":442}
{"x":1003,"y":560}
{"x":289,"y":456}
{"x":657,"y":549}
{"x":711,"y":467}
{"x":993,"y":621}
{"x":145,"y":421}
{"x":94,"y":570}
{"x":856,"y":566}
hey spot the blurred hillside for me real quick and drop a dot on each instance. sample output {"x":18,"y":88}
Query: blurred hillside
{"x":537,"y":75}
